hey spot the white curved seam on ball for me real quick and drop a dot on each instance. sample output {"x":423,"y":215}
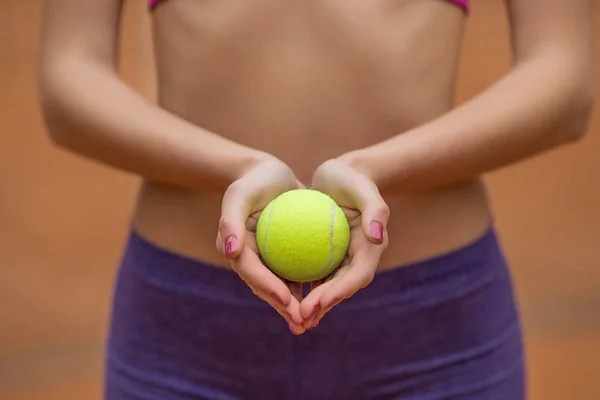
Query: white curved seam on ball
{"x":331,"y":233}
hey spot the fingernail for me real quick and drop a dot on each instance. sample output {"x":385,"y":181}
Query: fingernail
{"x":230,"y":243}
{"x":377,"y":231}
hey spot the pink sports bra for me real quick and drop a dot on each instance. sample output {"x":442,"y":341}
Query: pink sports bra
{"x":461,"y":3}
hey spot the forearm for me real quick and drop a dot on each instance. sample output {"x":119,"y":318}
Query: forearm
{"x":539,"y":105}
{"x":90,"y":111}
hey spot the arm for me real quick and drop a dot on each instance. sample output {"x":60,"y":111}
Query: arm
{"x":90,"y":111}
{"x":545,"y":101}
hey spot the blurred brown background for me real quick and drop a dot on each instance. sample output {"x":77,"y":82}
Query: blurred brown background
{"x":63,"y":221}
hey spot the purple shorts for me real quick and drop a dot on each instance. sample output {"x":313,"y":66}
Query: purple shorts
{"x":443,"y":328}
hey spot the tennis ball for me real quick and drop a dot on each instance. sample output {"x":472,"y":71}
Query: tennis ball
{"x":302,"y":235}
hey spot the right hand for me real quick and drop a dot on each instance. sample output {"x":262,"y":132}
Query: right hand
{"x":242,"y":204}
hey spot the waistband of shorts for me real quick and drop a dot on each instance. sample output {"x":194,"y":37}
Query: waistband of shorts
{"x":453,"y":270}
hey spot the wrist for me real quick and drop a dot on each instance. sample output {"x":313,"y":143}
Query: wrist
{"x":244,"y":162}
{"x":376,"y":165}
{"x":361,"y":161}
{"x":229,"y":163}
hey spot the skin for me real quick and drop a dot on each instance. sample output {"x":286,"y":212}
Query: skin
{"x":351,"y":98}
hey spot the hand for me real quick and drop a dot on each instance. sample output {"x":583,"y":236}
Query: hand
{"x":368,"y":215}
{"x":242,"y":203}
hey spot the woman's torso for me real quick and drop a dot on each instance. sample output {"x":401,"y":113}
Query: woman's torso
{"x":307,"y":81}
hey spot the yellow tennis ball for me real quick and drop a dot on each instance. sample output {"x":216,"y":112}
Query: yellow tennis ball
{"x":302,"y":235}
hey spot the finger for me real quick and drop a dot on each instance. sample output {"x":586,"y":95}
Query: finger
{"x":314,"y":297}
{"x":316,"y":284}
{"x":375,"y":213}
{"x":292,"y":310}
{"x":291,"y":313}
{"x":300,"y":184}
{"x":259,"y":277}
{"x":294,"y":326}
{"x":359,"y":275}
{"x":252,"y":221}
{"x":310,"y":308}
{"x":355,"y":276}
{"x":361,"y":193}
{"x":235,"y":210}
{"x":337,"y":272}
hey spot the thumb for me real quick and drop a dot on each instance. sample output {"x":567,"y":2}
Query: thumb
{"x":374,"y":223}
{"x":232,"y":224}
{"x":375,"y":215}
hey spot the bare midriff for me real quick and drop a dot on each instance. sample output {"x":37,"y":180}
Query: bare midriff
{"x":308,"y":81}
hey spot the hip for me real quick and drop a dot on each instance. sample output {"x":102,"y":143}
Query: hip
{"x":187,"y":329}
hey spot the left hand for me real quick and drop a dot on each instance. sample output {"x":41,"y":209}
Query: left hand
{"x":242,"y":204}
{"x":367,"y":215}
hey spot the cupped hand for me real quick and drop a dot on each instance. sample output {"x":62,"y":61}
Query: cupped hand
{"x":367,"y":215}
{"x":242,"y":204}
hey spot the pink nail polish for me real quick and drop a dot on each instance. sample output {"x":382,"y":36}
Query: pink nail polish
{"x":230,"y":243}
{"x":377,"y":231}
